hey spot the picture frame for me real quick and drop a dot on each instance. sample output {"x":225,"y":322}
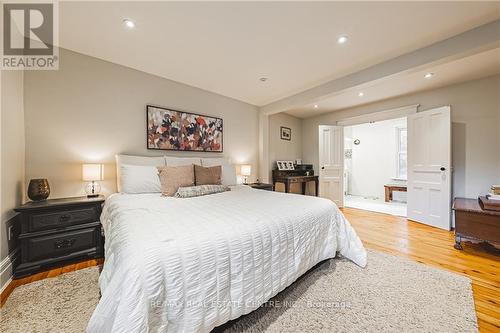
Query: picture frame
{"x":169,"y":129}
{"x":285,"y":165}
{"x":285,"y":133}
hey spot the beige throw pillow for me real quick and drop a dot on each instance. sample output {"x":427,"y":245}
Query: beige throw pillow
{"x":171,"y":178}
{"x":207,"y":175}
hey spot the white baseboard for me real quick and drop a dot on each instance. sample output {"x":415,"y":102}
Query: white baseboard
{"x":7,"y":267}
{"x":5,"y":285}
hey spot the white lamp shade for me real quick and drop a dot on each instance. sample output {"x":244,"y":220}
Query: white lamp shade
{"x":246,"y":170}
{"x":92,"y":172}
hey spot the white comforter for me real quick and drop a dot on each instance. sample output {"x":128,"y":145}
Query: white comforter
{"x":189,"y":265}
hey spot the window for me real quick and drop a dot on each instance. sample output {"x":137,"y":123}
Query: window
{"x":401,"y":157}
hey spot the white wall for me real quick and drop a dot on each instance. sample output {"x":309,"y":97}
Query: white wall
{"x":284,"y":150}
{"x":475,"y":116}
{"x":89,"y":110}
{"x":373,"y":162}
{"x":12,"y":159}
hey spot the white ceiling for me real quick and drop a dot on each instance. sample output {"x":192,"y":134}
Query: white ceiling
{"x":465,"y":69}
{"x":226,"y":47}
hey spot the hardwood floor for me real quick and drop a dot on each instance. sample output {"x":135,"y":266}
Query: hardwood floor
{"x":434,"y":247}
{"x":398,"y":236}
{"x":46,"y":274}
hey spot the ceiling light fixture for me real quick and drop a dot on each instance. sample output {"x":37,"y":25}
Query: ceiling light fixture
{"x":315,"y":106}
{"x":429,"y":75}
{"x":129,"y":23}
{"x":342,"y":39}
{"x":263,"y":79}
{"x":361,"y":94}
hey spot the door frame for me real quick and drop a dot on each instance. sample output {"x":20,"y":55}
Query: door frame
{"x":399,"y":112}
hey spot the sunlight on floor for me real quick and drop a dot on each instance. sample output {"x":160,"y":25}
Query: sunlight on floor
{"x":375,"y":205}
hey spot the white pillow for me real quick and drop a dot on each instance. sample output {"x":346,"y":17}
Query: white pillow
{"x":180,"y":161}
{"x":228,"y":170}
{"x":139,"y":179}
{"x":135,"y":160}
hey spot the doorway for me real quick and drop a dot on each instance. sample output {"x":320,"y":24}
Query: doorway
{"x":425,"y":156}
{"x":375,"y":166}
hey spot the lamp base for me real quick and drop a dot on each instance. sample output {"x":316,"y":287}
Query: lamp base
{"x":93,"y":189}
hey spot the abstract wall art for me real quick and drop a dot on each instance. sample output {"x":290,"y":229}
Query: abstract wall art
{"x":178,"y":130}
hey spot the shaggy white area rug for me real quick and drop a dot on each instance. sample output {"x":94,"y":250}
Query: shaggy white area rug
{"x":391,"y":295}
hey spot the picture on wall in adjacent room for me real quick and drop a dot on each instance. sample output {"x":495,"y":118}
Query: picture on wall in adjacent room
{"x":177,"y":130}
{"x":286,"y":133}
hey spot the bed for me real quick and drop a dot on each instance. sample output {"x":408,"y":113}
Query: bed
{"x":189,"y":265}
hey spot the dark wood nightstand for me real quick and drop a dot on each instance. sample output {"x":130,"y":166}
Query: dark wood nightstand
{"x":58,"y":231}
{"x":262,"y":186}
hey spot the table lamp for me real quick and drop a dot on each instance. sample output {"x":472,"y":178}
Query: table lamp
{"x":92,"y":173}
{"x":246,"y":170}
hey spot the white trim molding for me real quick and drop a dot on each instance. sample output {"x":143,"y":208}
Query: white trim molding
{"x":264,"y":169}
{"x":399,"y":112}
{"x":7,"y":268}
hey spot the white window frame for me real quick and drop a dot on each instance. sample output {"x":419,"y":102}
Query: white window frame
{"x":399,"y":153}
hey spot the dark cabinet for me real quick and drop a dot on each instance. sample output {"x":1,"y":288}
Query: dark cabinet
{"x":57,"y":232}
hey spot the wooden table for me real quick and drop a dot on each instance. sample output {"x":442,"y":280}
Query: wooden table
{"x":472,"y":221}
{"x":289,"y":180}
{"x":389,"y":188}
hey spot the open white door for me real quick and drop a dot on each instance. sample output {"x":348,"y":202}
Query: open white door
{"x":331,"y":163}
{"x":429,"y":167}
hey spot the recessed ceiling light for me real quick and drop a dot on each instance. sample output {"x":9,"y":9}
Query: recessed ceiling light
{"x":315,"y":106}
{"x":129,"y":23}
{"x":429,"y":75}
{"x":342,"y":39}
{"x":361,"y":94}
{"x":263,"y":79}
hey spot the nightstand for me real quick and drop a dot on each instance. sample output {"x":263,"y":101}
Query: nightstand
{"x":262,"y":186}
{"x":59,"y":231}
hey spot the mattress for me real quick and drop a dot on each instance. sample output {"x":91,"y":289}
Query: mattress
{"x":191,"y":264}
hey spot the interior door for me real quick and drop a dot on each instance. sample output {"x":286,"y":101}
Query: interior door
{"x":429,"y":167}
{"x":331,"y":163}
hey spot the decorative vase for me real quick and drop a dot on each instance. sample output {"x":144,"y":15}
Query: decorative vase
{"x":38,"y":189}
